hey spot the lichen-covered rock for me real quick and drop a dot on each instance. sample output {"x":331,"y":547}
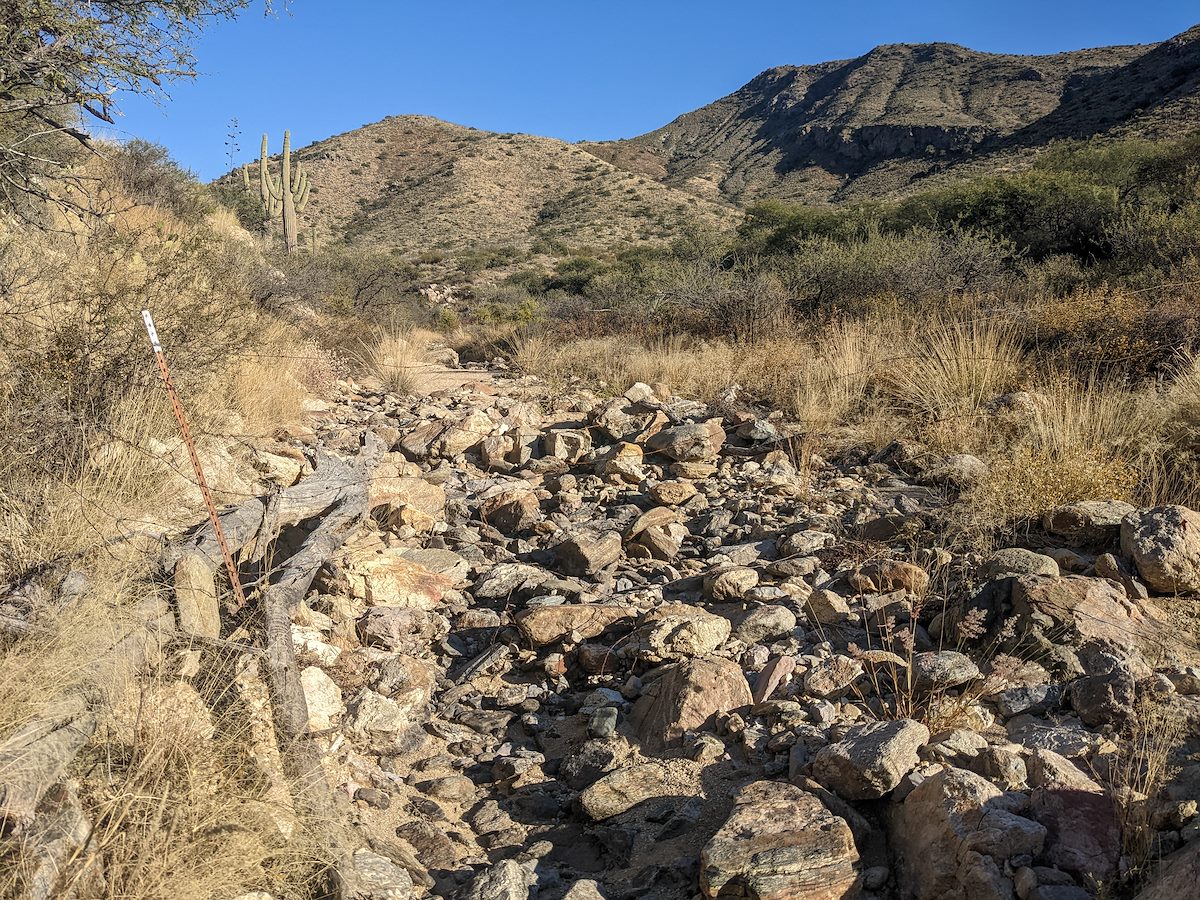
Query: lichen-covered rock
{"x":730,"y":584}
{"x":1164,"y":544}
{"x":680,"y":631}
{"x":941,"y":669}
{"x":1014,"y":561}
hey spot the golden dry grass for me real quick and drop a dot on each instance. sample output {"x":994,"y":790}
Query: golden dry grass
{"x":1067,"y":436}
{"x":395,"y":354}
{"x":179,"y":806}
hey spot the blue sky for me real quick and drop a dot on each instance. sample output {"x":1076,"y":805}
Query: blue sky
{"x":571,"y":69}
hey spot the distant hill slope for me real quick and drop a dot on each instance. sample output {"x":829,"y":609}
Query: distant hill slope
{"x":415,"y":183}
{"x":876,"y":125}
{"x":897,"y":119}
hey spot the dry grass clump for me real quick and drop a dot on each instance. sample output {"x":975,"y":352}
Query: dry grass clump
{"x":950,"y":375}
{"x":395,"y":353}
{"x":1023,"y":486}
{"x":1090,"y":440}
{"x":266,"y":388}
{"x":1144,"y":763}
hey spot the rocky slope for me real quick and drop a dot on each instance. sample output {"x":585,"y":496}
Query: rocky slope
{"x":634,"y":647}
{"x":900,"y":118}
{"x":417,"y":184}
{"x":875,"y":125}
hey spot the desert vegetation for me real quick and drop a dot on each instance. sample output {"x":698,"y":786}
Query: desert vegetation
{"x":1043,"y":319}
{"x":589,"y":529}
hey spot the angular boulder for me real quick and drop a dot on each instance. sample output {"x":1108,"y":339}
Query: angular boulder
{"x":623,"y":789}
{"x":953,"y":834}
{"x":546,"y":624}
{"x":587,"y":554}
{"x":697,"y":442}
{"x":781,"y":843}
{"x":1164,"y":544}
{"x":686,"y":697}
{"x":871,"y":759}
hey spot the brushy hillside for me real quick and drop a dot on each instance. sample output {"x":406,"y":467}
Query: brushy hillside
{"x":415,"y":184}
{"x":1043,"y":321}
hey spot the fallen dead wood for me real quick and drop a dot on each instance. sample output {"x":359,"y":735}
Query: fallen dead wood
{"x":301,"y":754}
{"x":38,"y":755}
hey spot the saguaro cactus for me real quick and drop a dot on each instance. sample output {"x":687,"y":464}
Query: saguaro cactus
{"x":284,"y":194}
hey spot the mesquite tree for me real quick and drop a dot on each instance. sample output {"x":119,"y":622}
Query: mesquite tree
{"x":63,"y":62}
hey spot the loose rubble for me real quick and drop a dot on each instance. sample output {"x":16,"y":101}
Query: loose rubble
{"x":630,"y":648}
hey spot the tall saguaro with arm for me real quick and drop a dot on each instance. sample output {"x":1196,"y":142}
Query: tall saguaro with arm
{"x":285,"y":194}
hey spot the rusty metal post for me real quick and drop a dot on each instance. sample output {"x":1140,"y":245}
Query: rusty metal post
{"x":165,"y":372}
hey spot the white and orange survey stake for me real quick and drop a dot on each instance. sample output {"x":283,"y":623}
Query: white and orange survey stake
{"x":165,"y":372}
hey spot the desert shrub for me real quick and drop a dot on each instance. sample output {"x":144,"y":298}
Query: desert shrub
{"x":1152,"y":238}
{"x":343,"y":279}
{"x":393,"y":353}
{"x":145,"y":173}
{"x":506,"y":305}
{"x":1120,"y":330}
{"x":1042,"y":212}
{"x":72,"y":328}
{"x":1022,"y":486}
{"x":921,"y":265}
{"x":777,"y":227}
{"x":574,"y":274}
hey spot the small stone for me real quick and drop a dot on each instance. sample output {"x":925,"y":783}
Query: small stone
{"x":729,"y":585}
{"x":603,"y":723}
{"x":548,"y":624}
{"x":323,"y":698}
{"x":587,"y":555}
{"x":673,"y":493}
{"x":828,"y":608}
{"x":1016,"y":561}
{"x":623,"y":789}
{"x":939,"y":670}
{"x":833,"y":677}
{"x":698,"y":442}
{"x":765,"y":623}
{"x":374,"y":798}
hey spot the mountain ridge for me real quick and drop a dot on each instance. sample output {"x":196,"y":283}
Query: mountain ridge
{"x":899,"y":118}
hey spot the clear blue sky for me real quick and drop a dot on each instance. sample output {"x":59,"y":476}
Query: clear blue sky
{"x":571,"y":69}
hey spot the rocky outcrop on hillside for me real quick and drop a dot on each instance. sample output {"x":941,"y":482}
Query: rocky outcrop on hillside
{"x":619,"y":647}
{"x":885,"y":122}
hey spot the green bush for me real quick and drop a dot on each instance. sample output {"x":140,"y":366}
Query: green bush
{"x":1042,"y":212}
{"x":146,"y":173}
